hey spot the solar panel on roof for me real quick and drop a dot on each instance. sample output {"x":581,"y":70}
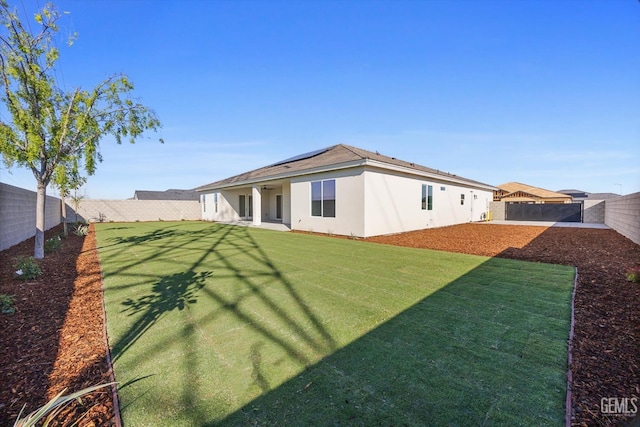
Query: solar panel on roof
{"x":301,"y":156}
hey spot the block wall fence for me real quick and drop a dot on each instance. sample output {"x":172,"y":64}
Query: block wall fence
{"x":623,"y":215}
{"x":620,"y":213}
{"x":136,"y":210}
{"x":18,"y":214}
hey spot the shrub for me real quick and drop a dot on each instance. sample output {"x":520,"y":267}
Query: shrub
{"x":27,"y":268}
{"x":81,"y":230}
{"x":6,"y":304}
{"x":633,"y":275}
{"x":53,"y":244}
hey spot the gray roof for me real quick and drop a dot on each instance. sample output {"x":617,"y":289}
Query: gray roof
{"x":584,"y":195}
{"x":335,"y":157}
{"x":171,"y":194}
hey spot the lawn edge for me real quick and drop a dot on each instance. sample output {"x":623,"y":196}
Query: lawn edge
{"x":568,"y":404}
{"x":112,"y":378}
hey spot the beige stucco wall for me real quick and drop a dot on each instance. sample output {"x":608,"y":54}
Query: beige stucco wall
{"x":227,"y":208}
{"x":349,"y":203}
{"x":372,"y":202}
{"x":394,"y":203}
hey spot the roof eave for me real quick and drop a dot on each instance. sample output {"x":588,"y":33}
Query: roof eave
{"x":292,"y":174}
{"x":437,"y":176}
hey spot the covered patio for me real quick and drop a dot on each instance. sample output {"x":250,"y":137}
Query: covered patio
{"x":268,"y":224}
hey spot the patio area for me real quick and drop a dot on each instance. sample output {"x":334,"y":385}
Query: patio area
{"x":266,"y":224}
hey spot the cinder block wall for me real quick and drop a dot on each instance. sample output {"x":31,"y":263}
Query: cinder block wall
{"x":497,"y":210}
{"x":593,"y":211}
{"x":623,"y":215}
{"x":18,"y":214}
{"x":135,"y":210}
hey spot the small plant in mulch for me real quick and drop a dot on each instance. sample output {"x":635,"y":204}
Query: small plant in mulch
{"x":48,"y":413}
{"x":53,"y":244}
{"x":633,"y":275}
{"x":6,"y":304}
{"x":27,"y":268}
{"x":81,"y":230}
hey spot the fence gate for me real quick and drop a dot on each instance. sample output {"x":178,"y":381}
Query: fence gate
{"x":561,"y":212}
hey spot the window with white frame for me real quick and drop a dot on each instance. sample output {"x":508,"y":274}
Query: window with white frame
{"x":427,"y":197}
{"x":323,"y":198}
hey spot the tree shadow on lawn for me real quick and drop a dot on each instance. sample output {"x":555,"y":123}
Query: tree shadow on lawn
{"x":234,"y":255}
{"x":178,"y":290}
{"x":427,"y":364}
{"x":430,"y":365}
{"x":172,"y":292}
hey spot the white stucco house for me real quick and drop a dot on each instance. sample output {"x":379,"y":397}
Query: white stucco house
{"x":349,"y":191}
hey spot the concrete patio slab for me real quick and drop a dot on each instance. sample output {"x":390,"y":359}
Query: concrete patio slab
{"x":550,"y":224}
{"x":268,"y":225}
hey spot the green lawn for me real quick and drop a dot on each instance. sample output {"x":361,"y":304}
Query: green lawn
{"x":215,"y":324}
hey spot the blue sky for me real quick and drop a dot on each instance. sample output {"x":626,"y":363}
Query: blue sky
{"x":542,"y":92}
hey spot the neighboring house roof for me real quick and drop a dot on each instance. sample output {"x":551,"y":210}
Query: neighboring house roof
{"x":336,"y":157}
{"x":584,"y":195}
{"x":171,"y":194}
{"x":518,"y":192}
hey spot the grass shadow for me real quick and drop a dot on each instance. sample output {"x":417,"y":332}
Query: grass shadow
{"x":428,"y":366}
{"x":170,"y":293}
{"x":232,"y":255}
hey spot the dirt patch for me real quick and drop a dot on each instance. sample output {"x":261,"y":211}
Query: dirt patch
{"x":606,"y":346}
{"x":55,"y":338}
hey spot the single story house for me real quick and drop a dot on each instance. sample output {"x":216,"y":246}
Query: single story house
{"x":348,"y":191}
{"x":516,"y":192}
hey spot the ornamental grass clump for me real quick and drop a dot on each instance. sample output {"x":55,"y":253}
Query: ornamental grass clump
{"x":47,"y":414}
{"x":27,"y":268}
{"x":81,"y":230}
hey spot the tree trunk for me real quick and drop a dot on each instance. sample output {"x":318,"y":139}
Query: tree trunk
{"x":40,"y":214}
{"x":64,"y":215}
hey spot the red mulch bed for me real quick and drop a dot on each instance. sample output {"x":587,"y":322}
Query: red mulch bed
{"x":55,"y":339}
